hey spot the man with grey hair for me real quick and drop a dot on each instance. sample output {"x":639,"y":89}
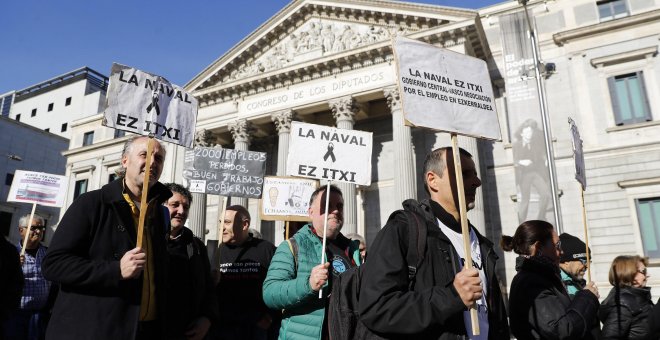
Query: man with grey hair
{"x":29,"y":321}
{"x":112,"y":289}
{"x":429,"y":299}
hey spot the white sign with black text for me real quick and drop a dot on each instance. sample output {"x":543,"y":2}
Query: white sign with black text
{"x":144,"y":103}
{"x":578,"y":154}
{"x":38,"y":187}
{"x":328,"y":153}
{"x":444,"y":90}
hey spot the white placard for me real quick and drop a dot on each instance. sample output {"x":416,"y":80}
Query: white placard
{"x":144,"y":103}
{"x":328,"y":153}
{"x":286,"y":197}
{"x":578,"y":154}
{"x":38,"y":187}
{"x":444,"y":90}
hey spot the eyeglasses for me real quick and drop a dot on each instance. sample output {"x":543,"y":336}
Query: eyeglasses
{"x":583,"y":261}
{"x":643,"y":271}
{"x":35,"y":227}
{"x":558,"y":245}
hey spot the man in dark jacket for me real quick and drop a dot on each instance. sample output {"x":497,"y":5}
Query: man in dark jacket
{"x":192,"y":305}
{"x":111,"y":289}
{"x":436,"y":307}
{"x":573,"y":263}
{"x":11,"y":281}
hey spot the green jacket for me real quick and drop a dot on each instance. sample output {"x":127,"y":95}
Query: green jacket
{"x":303,"y":311}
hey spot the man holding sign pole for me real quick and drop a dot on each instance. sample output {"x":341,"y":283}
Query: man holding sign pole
{"x":111,"y":289}
{"x":443,"y":289}
{"x":295,"y":276}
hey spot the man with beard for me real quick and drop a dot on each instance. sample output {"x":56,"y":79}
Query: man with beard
{"x":435,"y":305}
{"x":295,"y":276}
{"x":573,"y":263}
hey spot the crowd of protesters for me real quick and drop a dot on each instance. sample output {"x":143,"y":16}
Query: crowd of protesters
{"x":95,"y":282}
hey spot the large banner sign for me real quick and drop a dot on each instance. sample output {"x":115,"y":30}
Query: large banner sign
{"x":528,"y":144}
{"x":144,"y":103}
{"x":286,"y":198}
{"x":578,"y":155}
{"x":328,"y":153}
{"x":225,"y":172}
{"x":445,"y":90}
{"x":38,"y":187}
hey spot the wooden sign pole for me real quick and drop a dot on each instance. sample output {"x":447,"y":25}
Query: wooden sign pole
{"x":145,"y":190}
{"x":464,"y":224}
{"x":586,"y":235}
{"x":29,"y":229}
{"x":286,"y":237}
{"x":221,"y":226}
{"x":325,"y":229}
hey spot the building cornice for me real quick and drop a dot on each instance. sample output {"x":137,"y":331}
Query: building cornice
{"x":625,"y":56}
{"x":96,"y":146}
{"x":608,"y":27}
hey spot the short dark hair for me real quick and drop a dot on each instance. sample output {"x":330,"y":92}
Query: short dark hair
{"x":320,"y":189}
{"x":528,"y":233}
{"x":436,"y":164}
{"x":241,"y":212}
{"x":180,"y":189}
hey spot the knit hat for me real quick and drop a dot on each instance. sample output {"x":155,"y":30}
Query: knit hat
{"x":573,"y":248}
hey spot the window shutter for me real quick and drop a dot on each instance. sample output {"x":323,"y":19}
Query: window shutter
{"x":647,"y":106}
{"x":615,"y":101}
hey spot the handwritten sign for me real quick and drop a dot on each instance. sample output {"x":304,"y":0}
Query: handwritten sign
{"x":578,"y":154}
{"x":225,"y":172}
{"x":325,"y":152}
{"x":286,"y":198}
{"x":144,"y":103}
{"x":38,"y":187}
{"x":445,"y":90}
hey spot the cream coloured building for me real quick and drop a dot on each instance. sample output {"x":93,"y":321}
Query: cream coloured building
{"x":331,"y":63}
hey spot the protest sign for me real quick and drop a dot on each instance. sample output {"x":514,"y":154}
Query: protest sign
{"x":445,"y":90}
{"x":286,"y":198}
{"x":578,"y":154}
{"x":225,"y":172}
{"x":39,"y":188}
{"x":144,"y":103}
{"x":325,"y":152}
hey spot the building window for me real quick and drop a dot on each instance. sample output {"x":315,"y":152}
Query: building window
{"x":64,"y":126}
{"x":9,"y":179}
{"x":648,"y":214}
{"x":18,"y":117}
{"x":68,"y":102}
{"x":119,"y":133}
{"x":47,"y":129}
{"x":112,"y":177}
{"x":629,"y":100}
{"x":50,"y":107}
{"x":80,"y":188}
{"x":34,"y":113}
{"x":88,"y":138}
{"x":612,"y":9}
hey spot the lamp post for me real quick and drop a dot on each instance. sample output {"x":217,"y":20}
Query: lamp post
{"x":540,"y":87}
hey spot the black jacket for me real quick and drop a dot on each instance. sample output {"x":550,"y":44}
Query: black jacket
{"x":191,"y":293}
{"x":625,"y":315}
{"x":433,"y":310}
{"x":83,"y":257}
{"x":540,"y":308}
{"x":11,"y":280}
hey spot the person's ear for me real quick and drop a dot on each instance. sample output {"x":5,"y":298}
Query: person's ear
{"x":432,"y":181}
{"x":246,"y":225}
{"x":535,"y":248}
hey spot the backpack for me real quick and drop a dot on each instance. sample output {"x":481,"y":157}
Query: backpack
{"x":343,"y":315}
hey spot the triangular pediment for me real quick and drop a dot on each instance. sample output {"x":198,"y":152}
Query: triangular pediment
{"x":306,"y":30}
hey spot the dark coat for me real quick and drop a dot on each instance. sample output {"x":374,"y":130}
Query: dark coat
{"x":83,"y":257}
{"x":626,"y":316}
{"x":11,"y":280}
{"x":433,"y":310}
{"x":540,"y":308}
{"x":191,"y":293}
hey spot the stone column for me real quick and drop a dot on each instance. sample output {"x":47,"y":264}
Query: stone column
{"x":197,"y":214}
{"x":476,"y":215}
{"x":240,"y":131}
{"x":344,"y":110}
{"x":282,"y":120}
{"x":404,"y":166}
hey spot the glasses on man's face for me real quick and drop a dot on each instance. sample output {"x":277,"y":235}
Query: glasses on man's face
{"x":558,"y":245}
{"x":642,"y":271}
{"x":36,"y":227}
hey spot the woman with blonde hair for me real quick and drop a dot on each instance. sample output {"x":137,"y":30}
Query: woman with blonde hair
{"x":539,"y":305}
{"x":626,"y":309}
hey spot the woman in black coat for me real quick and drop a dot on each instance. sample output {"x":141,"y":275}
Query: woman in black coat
{"x":626,"y":309}
{"x":539,"y":305}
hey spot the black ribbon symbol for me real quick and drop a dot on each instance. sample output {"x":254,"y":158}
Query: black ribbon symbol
{"x":329,"y":153}
{"x":154,"y":103}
